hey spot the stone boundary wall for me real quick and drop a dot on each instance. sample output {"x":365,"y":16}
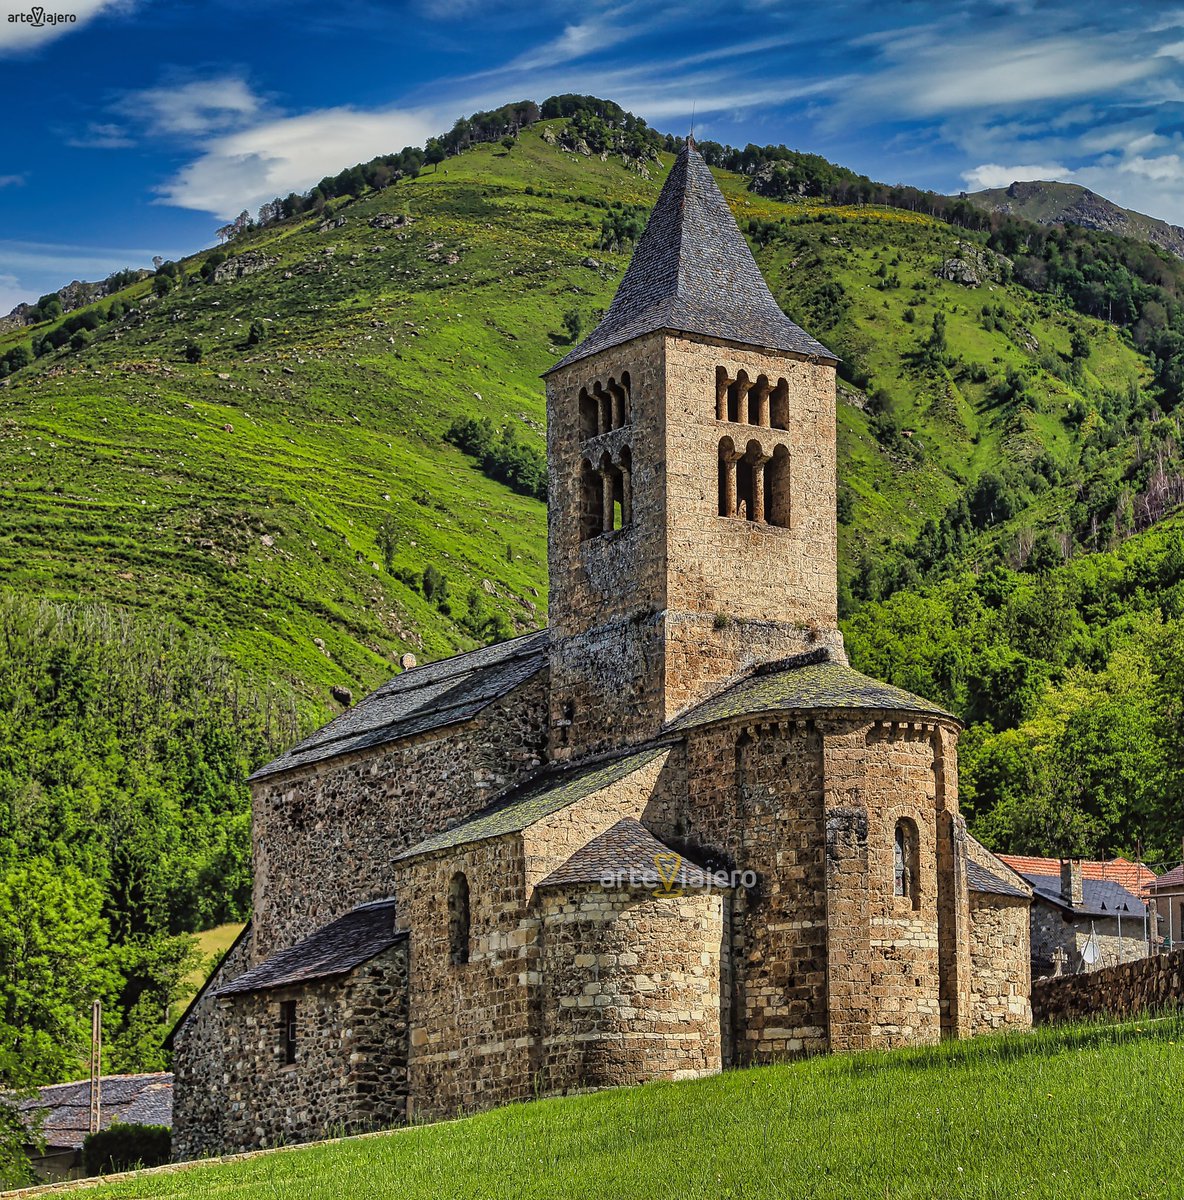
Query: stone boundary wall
{"x":1127,"y":990}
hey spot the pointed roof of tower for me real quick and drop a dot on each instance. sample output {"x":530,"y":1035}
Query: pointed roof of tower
{"x":692,"y":272}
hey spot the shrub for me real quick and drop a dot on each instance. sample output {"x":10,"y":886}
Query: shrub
{"x":123,"y":1147}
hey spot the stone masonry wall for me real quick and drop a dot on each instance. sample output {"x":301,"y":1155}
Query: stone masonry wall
{"x":775,"y":585}
{"x":476,"y":1029}
{"x":607,"y":590}
{"x":999,"y":952}
{"x":324,"y":837}
{"x":350,"y":1073}
{"x":752,"y":801}
{"x":1129,"y":989}
{"x":472,"y":1035}
{"x":899,"y":783}
{"x":631,"y":987}
{"x":201,"y":1106}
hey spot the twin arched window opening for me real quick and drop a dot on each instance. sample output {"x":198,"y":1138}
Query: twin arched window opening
{"x":605,"y":408}
{"x":747,"y":401}
{"x":906,"y":862}
{"x":753,"y":484}
{"x":458,"y":919}
{"x":606,"y":494}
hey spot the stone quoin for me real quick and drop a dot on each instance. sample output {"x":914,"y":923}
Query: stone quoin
{"x":454,"y":901}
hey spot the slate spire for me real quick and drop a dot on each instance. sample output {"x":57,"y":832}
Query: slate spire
{"x":692,"y":272}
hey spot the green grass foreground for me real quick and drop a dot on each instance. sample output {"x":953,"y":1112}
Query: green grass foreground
{"x":1085,"y":1111}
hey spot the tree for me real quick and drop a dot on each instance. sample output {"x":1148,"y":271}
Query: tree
{"x":256,"y":334}
{"x":509,"y":141}
{"x":573,"y":323}
{"x":435,"y":153}
{"x":192,"y":352}
{"x":54,"y":961}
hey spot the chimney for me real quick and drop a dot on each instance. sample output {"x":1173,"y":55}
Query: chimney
{"x":1071,"y":890}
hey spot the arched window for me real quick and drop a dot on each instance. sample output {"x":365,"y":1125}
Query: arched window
{"x":591,"y":502}
{"x":605,"y":400}
{"x":619,"y":404}
{"x":779,"y":405}
{"x":738,"y":397}
{"x":905,"y":864}
{"x":777,"y":488}
{"x":722,"y":383}
{"x":727,"y":477}
{"x":611,"y":490}
{"x":588,"y":415}
{"x":626,"y":477}
{"x":758,"y":402}
{"x":458,"y":920}
{"x":627,"y":385}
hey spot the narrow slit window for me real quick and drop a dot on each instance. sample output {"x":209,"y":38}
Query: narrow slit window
{"x":458,"y":920}
{"x":288,"y":1031}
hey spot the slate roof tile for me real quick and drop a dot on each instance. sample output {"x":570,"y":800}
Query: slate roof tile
{"x":539,"y":798}
{"x":335,"y":949}
{"x":802,"y":683}
{"x":129,"y":1099}
{"x":1100,"y":897}
{"x":629,"y":853}
{"x":692,"y":272}
{"x":425,"y":698}
{"x":988,"y":883}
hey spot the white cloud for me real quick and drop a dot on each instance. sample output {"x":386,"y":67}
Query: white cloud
{"x":18,"y":32}
{"x":243,"y":169}
{"x":195,"y":108}
{"x":994,"y":175}
{"x":935,"y":75}
{"x":11,"y":294}
{"x":11,"y":180}
{"x":102,"y":135}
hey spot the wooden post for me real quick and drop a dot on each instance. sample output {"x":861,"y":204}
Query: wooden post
{"x":96,"y":1054}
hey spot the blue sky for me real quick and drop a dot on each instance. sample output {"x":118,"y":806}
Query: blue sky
{"x":141,"y":125}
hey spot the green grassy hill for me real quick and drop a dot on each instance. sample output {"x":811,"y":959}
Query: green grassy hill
{"x":1032,"y":1115}
{"x":291,"y":492}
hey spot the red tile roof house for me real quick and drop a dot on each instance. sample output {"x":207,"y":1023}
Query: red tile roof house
{"x":1085,"y":915}
{"x":65,"y":1115}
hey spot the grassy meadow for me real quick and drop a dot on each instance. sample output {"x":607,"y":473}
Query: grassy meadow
{"x":1089,"y":1111}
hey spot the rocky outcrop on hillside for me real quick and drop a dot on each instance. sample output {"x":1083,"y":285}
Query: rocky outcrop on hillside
{"x":249,"y":263}
{"x":972,"y":266}
{"x":1051,"y":203}
{"x":75,"y":294}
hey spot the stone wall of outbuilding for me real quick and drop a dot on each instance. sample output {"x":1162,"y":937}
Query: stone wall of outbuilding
{"x":234,"y":1090}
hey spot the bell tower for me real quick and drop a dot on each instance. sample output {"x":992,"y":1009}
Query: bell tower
{"x":691,"y":457}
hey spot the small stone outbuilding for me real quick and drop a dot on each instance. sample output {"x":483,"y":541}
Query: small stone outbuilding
{"x":671,"y":833}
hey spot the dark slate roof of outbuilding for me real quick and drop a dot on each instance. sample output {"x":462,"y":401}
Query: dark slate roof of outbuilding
{"x":1100,"y":897}
{"x":129,"y":1099}
{"x":801,"y":683}
{"x":631,"y":854}
{"x":539,"y":798}
{"x":692,"y":272}
{"x":336,"y":949}
{"x":425,"y":698}
{"x":984,"y":881}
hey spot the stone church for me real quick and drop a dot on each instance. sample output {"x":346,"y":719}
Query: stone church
{"x":672,"y":833}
